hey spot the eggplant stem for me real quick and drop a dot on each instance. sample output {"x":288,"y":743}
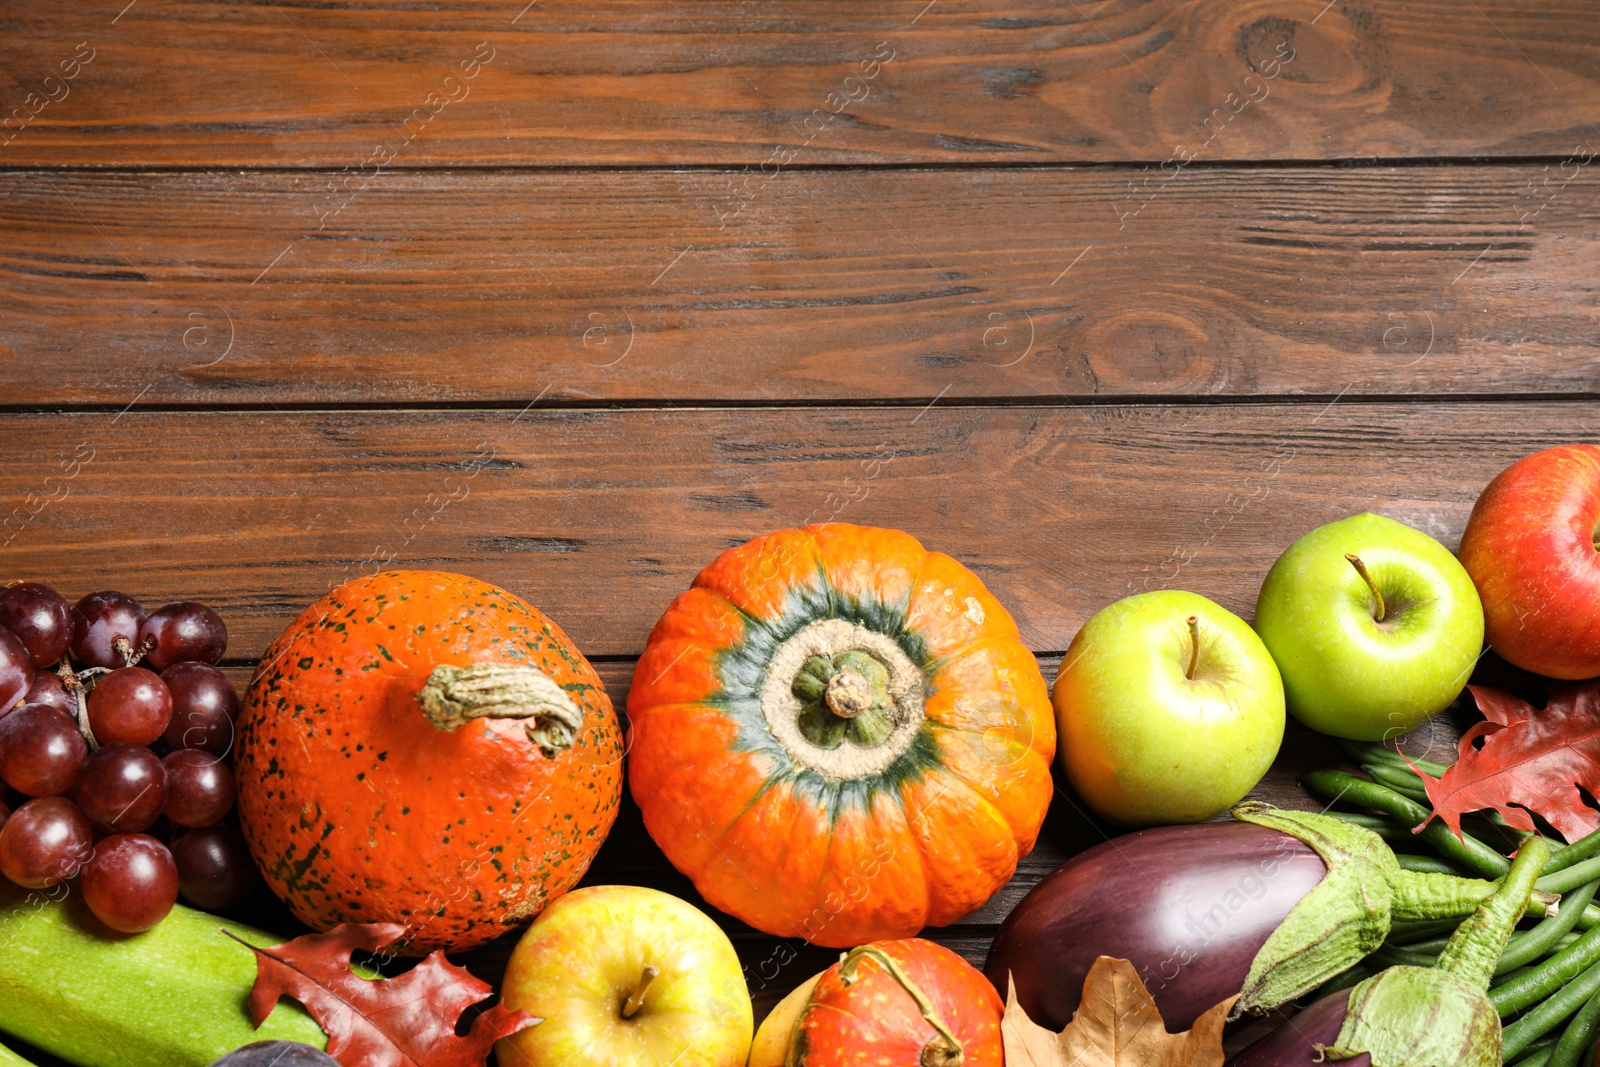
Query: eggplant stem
{"x":1475,"y":948}
{"x":1426,"y":895}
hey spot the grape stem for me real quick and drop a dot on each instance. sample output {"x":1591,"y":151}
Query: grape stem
{"x":129,"y":654}
{"x":80,"y":685}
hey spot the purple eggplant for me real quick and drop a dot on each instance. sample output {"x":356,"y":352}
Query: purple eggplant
{"x":1190,"y":906}
{"x":1296,"y":1042}
{"x":1205,"y":912}
{"x":1438,"y":1016}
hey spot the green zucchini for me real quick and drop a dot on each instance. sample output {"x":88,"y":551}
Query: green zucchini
{"x":172,"y":997}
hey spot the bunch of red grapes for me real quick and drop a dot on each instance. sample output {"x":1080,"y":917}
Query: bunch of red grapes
{"x":98,"y":785}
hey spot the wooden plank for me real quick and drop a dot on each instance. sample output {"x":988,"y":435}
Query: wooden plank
{"x":705,"y":81}
{"x":601,"y":517}
{"x":499,"y":288}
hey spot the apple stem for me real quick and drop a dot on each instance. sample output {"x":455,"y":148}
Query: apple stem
{"x":1366,"y":575}
{"x":1194,"y":647}
{"x":631,"y":1006}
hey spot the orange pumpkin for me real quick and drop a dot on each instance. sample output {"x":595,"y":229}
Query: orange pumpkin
{"x":908,"y":1003}
{"x":839,"y":736}
{"x":426,"y":749}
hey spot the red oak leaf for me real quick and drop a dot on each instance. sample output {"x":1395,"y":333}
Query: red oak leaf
{"x":405,"y":1021}
{"x":1531,"y":760}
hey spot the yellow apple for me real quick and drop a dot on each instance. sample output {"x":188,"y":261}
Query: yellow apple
{"x":771,"y":1048}
{"x":626,"y":977}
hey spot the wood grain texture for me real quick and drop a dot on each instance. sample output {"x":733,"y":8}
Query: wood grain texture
{"x":698,"y":81}
{"x":601,"y":517}
{"x":211,"y":289}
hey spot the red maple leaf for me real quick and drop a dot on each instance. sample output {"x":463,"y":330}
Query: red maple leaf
{"x":1530,"y":760}
{"x":405,"y":1021}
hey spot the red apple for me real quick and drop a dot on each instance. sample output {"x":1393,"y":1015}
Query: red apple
{"x":1532,"y":547}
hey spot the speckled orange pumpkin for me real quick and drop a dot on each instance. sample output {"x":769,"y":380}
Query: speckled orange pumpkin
{"x":427,"y":749}
{"x":907,"y":1003}
{"x":840,"y":736}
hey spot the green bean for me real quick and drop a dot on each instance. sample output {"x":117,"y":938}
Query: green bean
{"x":1571,"y":878}
{"x":1515,"y":994}
{"x":1468,"y":851}
{"x":1404,"y":956}
{"x":1542,"y":1019}
{"x":1384,"y":754}
{"x":1536,"y":1053}
{"x":1407,"y":932}
{"x":1433,"y":945}
{"x":1580,"y":849}
{"x":1527,"y":947}
{"x":1387,"y":829}
{"x":1491,"y":829}
{"x":1403,"y":782}
{"x":1425,"y":864}
{"x":1579,"y":1034}
{"x":1511,"y":976}
{"x":1357,"y":974}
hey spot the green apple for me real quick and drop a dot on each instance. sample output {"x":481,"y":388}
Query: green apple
{"x":1169,"y":709}
{"x":1375,"y":626}
{"x":626,"y":977}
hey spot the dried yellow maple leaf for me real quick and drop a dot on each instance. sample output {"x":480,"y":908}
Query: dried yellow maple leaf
{"x":1117,"y":1024}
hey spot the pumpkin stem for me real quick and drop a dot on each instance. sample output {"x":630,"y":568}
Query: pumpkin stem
{"x":454,"y":696}
{"x":944,"y":1048}
{"x":848,"y":694}
{"x":635,"y":1001}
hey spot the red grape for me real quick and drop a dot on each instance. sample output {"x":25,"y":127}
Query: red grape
{"x":130,"y":705}
{"x":131,"y":883}
{"x":16,"y":670}
{"x":48,"y":690}
{"x":98,"y":620}
{"x":199,"y":788}
{"x":44,"y":842}
{"x":183,"y":630}
{"x":40,"y":618}
{"x":123,"y":788}
{"x":41,"y":750}
{"x":214,"y":867}
{"x":204,"y":706}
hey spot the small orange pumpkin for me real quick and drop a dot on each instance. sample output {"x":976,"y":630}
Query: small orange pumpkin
{"x":426,"y":749}
{"x":907,"y":1003}
{"x":840,"y":736}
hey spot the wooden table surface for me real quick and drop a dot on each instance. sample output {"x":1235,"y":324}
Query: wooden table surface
{"x":1098,"y":296}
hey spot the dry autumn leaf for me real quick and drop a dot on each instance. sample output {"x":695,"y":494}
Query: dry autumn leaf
{"x":1530,"y":759}
{"x":406,"y":1021}
{"x":1117,"y":1024}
